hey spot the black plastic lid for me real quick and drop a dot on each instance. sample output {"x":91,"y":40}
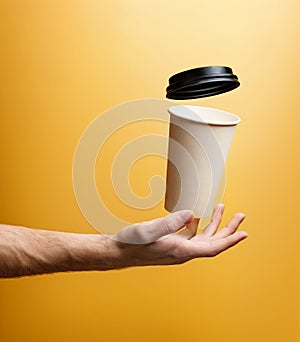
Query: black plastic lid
{"x":201,"y":82}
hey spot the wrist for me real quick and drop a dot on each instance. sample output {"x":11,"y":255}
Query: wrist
{"x":104,"y":253}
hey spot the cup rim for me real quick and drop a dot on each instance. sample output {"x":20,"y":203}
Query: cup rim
{"x":192,"y":113}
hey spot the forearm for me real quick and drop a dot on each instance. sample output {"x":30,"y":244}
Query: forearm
{"x":25,"y":251}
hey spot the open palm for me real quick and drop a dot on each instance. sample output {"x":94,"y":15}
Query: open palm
{"x":173,"y":239}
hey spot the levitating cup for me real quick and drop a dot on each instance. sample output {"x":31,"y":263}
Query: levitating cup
{"x":199,"y":141}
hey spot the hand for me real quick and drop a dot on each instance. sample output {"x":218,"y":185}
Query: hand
{"x":176,"y":240}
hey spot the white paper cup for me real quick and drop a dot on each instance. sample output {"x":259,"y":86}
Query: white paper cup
{"x":199,"y":141}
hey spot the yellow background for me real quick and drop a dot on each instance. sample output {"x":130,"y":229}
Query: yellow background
{"x":64,"y":62}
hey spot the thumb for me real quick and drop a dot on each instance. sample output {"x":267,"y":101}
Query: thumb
{"x":150,"y":231}
{"x":175,"y":221}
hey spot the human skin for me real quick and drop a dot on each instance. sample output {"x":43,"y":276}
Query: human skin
{"x":165,"y":241}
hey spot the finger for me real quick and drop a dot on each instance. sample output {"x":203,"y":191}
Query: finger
{"x":218,"y":246}
{"x":190,"y":230}
{"x":215,"y":221}
{"x":231,"y":227}
{"x":150,"y":231}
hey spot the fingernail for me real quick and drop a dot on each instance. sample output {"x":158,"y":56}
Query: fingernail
{"x":245,"y":235}
{"x":187,"y":215}
{"x":217,"y":209}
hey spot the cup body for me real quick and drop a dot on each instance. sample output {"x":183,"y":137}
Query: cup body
{"x":199,"y":141}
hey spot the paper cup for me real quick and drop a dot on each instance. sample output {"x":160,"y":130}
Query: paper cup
{"x":199,"y":141}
